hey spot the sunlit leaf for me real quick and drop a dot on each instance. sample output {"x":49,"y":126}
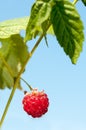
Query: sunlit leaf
{"x":15,"y":52}
{"x":10,"y":27}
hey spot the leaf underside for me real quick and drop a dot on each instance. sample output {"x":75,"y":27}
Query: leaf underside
{"x":12,"y":27}
{"x":14,"y":51}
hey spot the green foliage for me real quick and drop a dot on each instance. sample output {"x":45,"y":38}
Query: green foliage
{"x":84,"y":2}
{"x":11,"y":27}
{"x":66,"y":23}
{"x":55,"y":17}
{"x":14,"y":52}
{"x":68,"y":28}
{"x":40,"y":12}
{"x":15,"y":26}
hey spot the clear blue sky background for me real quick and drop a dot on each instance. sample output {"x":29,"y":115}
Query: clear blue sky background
{"x":49,"y":69}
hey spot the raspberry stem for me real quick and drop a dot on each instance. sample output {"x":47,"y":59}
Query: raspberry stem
{"x":27,"y":84}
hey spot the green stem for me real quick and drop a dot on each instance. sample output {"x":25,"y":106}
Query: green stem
{"x":74,"y":2}
{"x":18,"y":77}
{"x":27,"y":84}
{"x":7,"y":106}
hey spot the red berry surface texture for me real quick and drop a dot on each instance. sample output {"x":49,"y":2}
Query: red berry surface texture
{"x":35,"y":103}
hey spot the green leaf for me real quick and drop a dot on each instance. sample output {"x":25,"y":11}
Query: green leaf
{"x":11,"y":27}
{"x":40,"y":12}
{"x":15,"y":26}
{"x":84,"y":2}
{"x":14,"y":51}
{"x":68,"y":28}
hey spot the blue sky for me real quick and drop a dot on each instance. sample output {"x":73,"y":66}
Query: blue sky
{"x":49,"y":69}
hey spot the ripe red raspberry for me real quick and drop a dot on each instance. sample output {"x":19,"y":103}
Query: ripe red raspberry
{"x":35,"y":103}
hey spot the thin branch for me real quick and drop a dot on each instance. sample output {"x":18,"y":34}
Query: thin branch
{"x":26,"y":83}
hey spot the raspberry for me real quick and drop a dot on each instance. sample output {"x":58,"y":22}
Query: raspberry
{"x":35,"y":103}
